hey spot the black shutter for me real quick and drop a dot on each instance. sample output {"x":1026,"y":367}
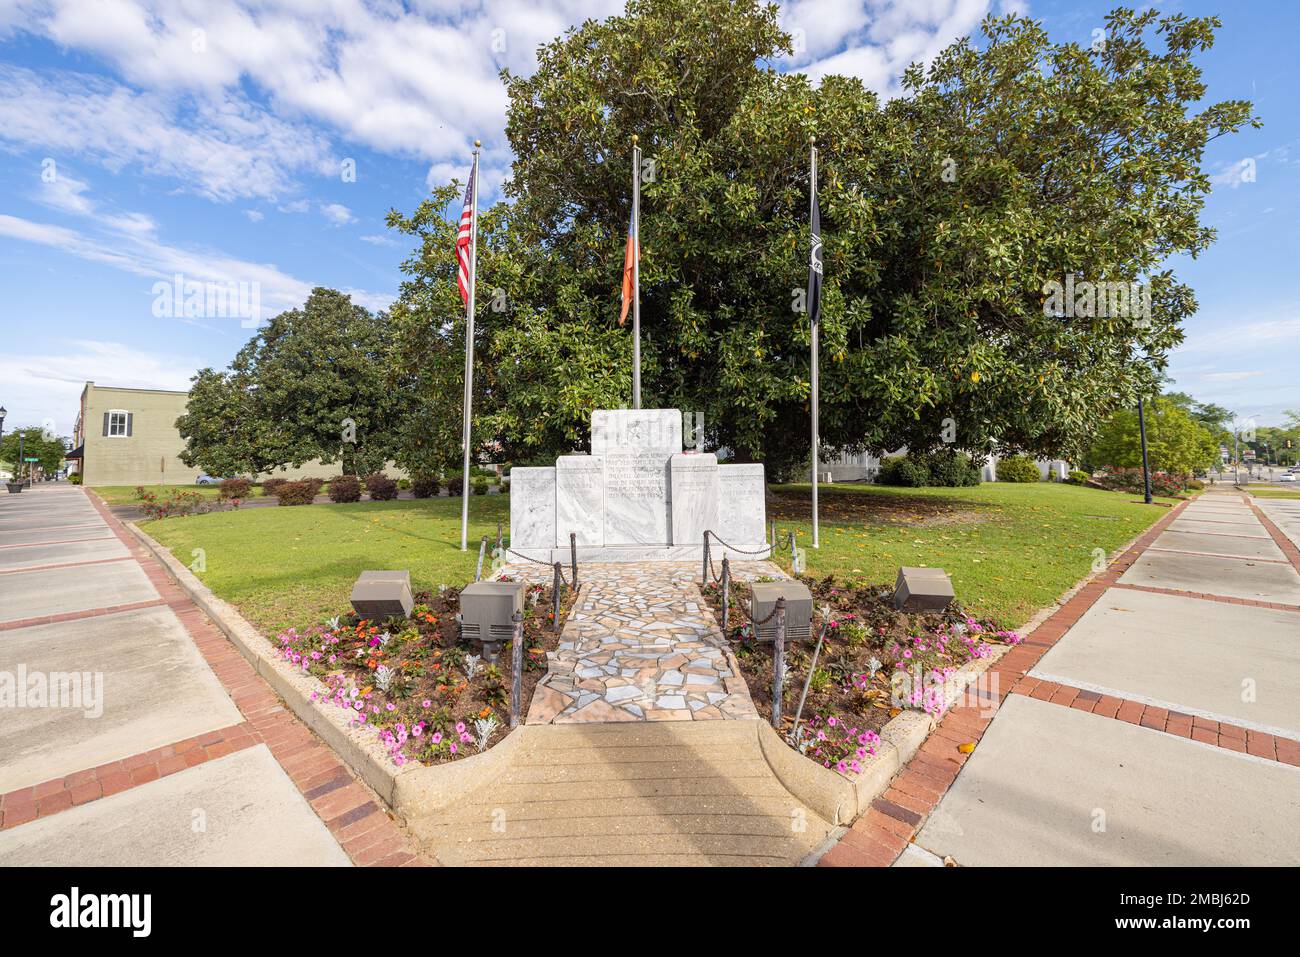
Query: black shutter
{"x":106,"y":423}
{"x":130,"y":417}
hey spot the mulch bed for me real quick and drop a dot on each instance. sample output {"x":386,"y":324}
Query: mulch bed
{"x":417,"y":683}
{"x":874,"y":661}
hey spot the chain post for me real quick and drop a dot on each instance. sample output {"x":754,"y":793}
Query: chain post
{"x":482,"y":548}
{"x":516,"y":670}
{"x":794,"y":557}
{"x":704,"y":572}
{"x":555,"y":588}
{"x":500,"y":538}
{"x":772,"y":540}
{"x":778,"y":663}
{"x":726,"y":592}
{"x":573,"y":560}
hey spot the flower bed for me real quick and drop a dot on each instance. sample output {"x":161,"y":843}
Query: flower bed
{"x":875,"y":661}
{"x":429,"y":696}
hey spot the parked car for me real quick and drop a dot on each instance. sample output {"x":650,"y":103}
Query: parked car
{"x":208,"y":480}
{"x":1286,"y":477}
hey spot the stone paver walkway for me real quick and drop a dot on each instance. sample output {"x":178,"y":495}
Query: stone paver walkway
{"x":640,"y":645}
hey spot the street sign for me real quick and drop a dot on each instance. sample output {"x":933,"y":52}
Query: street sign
{"x":31,"y":460}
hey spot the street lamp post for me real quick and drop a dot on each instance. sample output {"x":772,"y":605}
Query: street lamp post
{"x":1146,"y":467}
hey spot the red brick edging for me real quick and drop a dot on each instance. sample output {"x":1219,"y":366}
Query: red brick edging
{"x":353,"y":815}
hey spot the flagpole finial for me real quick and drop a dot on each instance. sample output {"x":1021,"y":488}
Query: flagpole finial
{"x":812,"y":139}
{"x":477,"y":144}
{"x":634,"y":139}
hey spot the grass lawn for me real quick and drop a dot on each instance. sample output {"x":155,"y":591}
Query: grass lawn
{"x":125,"y":494}
{"x":1275,"y":492}
{"x":296,"y":566}
{"x":1010,"y":548}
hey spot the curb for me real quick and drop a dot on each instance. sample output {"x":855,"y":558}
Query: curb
{"x":407,"y":790}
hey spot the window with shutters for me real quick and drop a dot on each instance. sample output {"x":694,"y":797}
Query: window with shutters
{"x":118,"y":424}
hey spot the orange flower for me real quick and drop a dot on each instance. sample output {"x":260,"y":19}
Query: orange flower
{"x":485,"y":712}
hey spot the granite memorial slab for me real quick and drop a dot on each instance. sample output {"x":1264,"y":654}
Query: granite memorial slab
{"x":642,"y":430}
{"x":742,"y":508}
{"x":580,"y":499}
{"x":532,"y":507}
{"x":693,"y":492}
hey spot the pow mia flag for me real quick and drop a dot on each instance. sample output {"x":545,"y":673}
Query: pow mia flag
{"x":815,"y":259}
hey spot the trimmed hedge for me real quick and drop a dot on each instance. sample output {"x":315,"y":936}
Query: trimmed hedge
{"x":455,"y":485}
{"x":272,"y":486}
{"x":298,"y":493}
{"x":345,"y":488}
{"x":380,"y":487}
{"x":234,"y":488}
{"x":1018,"y":468}
{"x":479,"y":485}
{"x":424,"y":486}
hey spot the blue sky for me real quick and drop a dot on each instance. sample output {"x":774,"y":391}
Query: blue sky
{"x":144,"y":138}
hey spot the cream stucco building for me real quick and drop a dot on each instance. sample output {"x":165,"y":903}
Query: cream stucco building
{"x":129,"y":437}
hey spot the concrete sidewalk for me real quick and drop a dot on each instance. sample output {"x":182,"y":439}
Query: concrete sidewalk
{"x":1153,"y":720}
{"x":132,"y":733}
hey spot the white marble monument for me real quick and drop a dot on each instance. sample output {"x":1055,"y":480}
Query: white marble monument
{"x":637,"y":497}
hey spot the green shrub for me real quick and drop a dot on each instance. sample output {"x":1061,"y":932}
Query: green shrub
{"x":455,"y":485}
{"x":298,"y":493}
{"x":345,"y":488}
{"x":1018,"y":468}
{"x":234,"y":488}
{"x":380,"y":487}
{"x":1195,"y":485}
{"x":903,"y":470}
{"x":1079,"y":477}
{"x":479,"y":485}
{"x":424,"y":486}
{"x":75,"y":478}
{"x":951,"y":468}
{"x":404,"y":484}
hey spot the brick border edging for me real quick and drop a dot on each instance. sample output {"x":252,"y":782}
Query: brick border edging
{"x":1279,"y":537}
{"x":348,"y":809}
{"x":879,"y":836}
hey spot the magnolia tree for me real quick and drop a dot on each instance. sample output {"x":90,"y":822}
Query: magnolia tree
{"x":995,"y":238}
{"x":315,"y":382}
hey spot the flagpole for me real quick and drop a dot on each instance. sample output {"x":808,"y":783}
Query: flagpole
{"x":812,"y":205}
{"x":636,"y":275}
{"x":469,"y":359}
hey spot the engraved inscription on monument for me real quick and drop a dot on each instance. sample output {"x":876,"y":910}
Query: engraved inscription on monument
{"x":636,"y":498}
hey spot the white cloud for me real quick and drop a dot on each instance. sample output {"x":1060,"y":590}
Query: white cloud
{"x":48,"y":385}
{"x":223,"y":150}
{"x":1233,"y":376}
{"x":337,"y":213}
{"x":380,"y":240}
{"x":254,"y":216}
{"x":876,"y":40}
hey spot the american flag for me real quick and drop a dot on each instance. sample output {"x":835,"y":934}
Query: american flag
{"x":464,"y":238}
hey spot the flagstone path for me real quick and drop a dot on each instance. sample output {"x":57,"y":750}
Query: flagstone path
{"x":641,"y":646}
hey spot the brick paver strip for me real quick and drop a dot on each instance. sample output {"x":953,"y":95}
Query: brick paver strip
{"x":1279,"y":537}
{"x":46,"y":568}
{"x":354,"y":817}
{"x":875,"y":840}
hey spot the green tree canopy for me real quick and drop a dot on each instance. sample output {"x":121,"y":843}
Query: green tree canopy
{"x":36,"y":443}
{"x":313,"y":383}
{"x":1176,"y":442}
{"x":1006,"y":166}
